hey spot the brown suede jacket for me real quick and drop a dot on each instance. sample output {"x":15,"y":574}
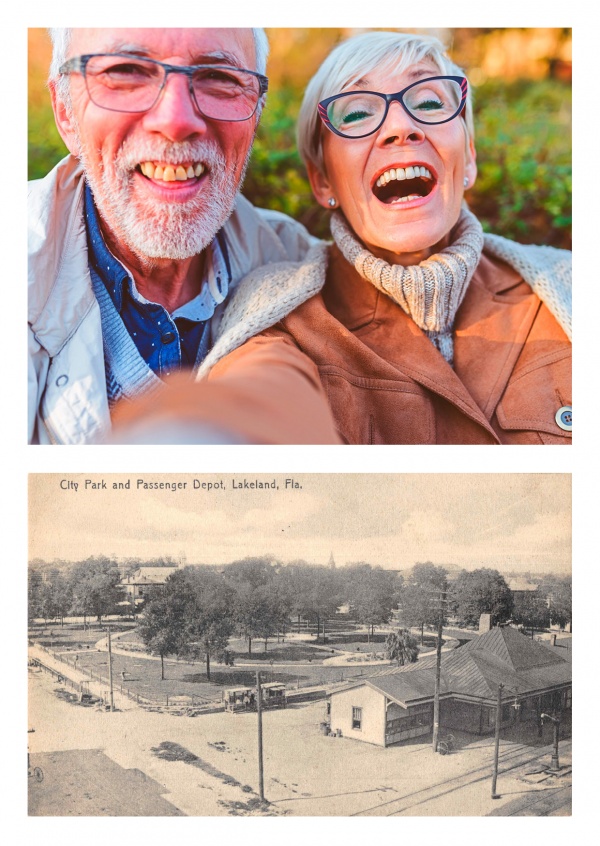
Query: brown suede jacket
{"x":387,"y":384}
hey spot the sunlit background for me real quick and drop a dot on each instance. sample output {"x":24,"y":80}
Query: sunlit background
{"x":522,"y":84}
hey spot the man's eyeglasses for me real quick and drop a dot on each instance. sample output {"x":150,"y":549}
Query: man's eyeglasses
{"x":356,"y":114}
{"x":123,"y":82}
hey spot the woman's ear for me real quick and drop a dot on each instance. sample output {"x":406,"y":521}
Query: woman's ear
{"x":470,"y":164}
{"x":320,"y":185}
{"x":64,"y":120}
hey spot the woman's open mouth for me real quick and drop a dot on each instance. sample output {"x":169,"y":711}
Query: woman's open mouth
{"x":402,"y":185}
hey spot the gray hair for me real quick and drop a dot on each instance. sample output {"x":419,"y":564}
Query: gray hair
{"x":61,"y":40}
{"x":357,"y":57}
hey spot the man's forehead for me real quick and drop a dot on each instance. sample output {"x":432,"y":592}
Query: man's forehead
{"x":190,"y":45}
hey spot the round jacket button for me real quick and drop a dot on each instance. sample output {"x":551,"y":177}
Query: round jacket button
{"x":168,"y":337}
{"x":564,"y":418}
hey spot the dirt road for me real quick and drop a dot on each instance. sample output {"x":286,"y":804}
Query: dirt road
{"x":208,"y":765}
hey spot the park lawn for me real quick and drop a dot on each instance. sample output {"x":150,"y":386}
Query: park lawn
{"x":73,"y":635}
{"x":187,"y":679}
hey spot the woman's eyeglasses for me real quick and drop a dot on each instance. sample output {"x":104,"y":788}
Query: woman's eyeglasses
{"x":356,"y":114}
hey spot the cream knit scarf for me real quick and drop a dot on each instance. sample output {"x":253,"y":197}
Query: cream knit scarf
{"x":430,"y":292}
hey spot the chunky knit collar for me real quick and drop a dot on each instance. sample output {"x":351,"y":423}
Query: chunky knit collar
{"x":430,"y":292}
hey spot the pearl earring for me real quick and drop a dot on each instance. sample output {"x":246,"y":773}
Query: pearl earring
{"x":466,"y":182}
{"x":332,"y":202}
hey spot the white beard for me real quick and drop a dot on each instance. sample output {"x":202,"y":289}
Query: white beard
{"x":154,"y":229}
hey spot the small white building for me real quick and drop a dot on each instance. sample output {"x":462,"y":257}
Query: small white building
{"x":383,"y":710}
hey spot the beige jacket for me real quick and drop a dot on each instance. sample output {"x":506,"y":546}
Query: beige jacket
{"x":66,"y":378}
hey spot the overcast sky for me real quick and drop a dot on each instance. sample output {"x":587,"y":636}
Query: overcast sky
{"x":507,"y":521}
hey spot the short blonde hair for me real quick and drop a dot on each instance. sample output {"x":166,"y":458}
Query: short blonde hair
{"x":357,"y":57}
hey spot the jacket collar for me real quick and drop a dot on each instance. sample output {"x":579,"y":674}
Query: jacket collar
{"x":58,"y":258}
{"x":265,"y":297}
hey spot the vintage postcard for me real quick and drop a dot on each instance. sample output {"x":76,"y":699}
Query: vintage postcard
{"x":311,"y":645}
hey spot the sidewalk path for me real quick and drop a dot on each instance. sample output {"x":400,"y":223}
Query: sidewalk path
{"x":97,"y":688}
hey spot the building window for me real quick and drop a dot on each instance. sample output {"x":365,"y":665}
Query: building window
{"x":356,"y":718}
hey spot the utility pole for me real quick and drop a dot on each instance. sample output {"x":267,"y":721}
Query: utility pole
{"x":497,"y":741}
{"x":438,"y":672}
{"x":110,"y":678}
{"x":261,"y":786}
{"x":554,"y":764}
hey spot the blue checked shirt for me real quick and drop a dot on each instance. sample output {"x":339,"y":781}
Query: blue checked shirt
{"x":166,"y":342}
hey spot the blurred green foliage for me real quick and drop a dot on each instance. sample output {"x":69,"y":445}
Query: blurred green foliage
{"x":46,"y":147}
{"x":523,"y":141}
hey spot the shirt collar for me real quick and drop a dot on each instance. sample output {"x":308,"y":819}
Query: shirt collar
{"x":115,"y":276}
{"x":110,"y":270}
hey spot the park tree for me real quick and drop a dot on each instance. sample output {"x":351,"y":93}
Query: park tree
{"x":315,"y":592}
{"x":210,"y":616}
{"x":296,"y":584}
{"x":558,"y":593}
{"x":47,"y":602}
{"x":482,"y":591}
{"x":261,"y":613}
{"x":261,"y":605}
{"x":162,"y":625}
{"x":62,"y":596}
{"x":192,"y":617}
{"x":531,"y":611}
{"x":401,"y":646}
{"x":422,"y":596}
{"x":252,"y":572}
{"x":34,"y":586}
{"x":96,"y":587}
{"x":372,"y":593}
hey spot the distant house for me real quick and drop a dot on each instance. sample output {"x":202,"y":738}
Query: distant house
{"x":141,"y":581}
{"x":397,"y":705}
{"x":521,"y":588}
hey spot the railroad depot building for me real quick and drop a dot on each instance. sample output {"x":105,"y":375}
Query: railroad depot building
{"x":396,"y":705}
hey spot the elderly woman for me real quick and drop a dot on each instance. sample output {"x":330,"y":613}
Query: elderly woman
{"x":421,"y":328}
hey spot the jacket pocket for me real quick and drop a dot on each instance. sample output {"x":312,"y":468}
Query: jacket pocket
{"x":532,"y":399}
{"x":378,"y":411}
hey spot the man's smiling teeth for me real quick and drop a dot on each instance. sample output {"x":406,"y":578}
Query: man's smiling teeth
{"x":403,"y":173}
{"x":171,"y":173}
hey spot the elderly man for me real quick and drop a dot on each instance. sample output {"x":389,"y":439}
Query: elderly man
{"x":139,"y":236}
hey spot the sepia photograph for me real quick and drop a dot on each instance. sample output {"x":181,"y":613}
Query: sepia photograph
{"x":311,"y":645}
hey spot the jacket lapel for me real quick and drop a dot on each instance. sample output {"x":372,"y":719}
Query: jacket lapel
{"x":491,"y":329}
{"x":394,"y":337}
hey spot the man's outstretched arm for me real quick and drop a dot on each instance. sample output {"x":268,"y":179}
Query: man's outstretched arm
{"x":265,"y":392}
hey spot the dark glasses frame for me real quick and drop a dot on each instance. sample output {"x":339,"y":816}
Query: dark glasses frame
{"x":78,"y":64}
{"x":398,"y":97}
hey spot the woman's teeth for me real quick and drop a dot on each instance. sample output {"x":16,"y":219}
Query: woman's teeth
{"x":403,"y":173}
{"x":171,"y":173}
